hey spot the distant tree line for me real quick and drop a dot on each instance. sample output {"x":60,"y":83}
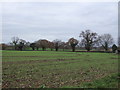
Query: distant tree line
{"x":88,"y":40}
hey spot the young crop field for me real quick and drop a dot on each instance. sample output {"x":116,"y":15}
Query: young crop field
{"x":51,"y":69}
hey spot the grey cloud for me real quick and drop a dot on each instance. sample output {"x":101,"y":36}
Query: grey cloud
{"x":32,"y":21}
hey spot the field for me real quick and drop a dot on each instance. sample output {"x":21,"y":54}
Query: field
{"x":51,"y":69}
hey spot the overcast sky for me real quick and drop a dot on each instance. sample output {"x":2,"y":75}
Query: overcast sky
{"x":58,"y":20}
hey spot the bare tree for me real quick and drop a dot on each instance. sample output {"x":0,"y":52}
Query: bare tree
{"x":3,"y":46}
{"x":105,"y":40}
{"x":57,"y":44}
{"x":73,"y":42}
{"x":114,"y":48}
{"x":37,"y":44}
{"x":15,"y":42}
{"x":23,"y":41}
{"x":43,"y":43}
{"x":21,"y":44}
{"x":27,"y":44}
{"x":63,"y":44}
{"x":51,"y":45}
{"x":66,"y":45}
{"x":88,"y":39}
{"x":32,"y":45}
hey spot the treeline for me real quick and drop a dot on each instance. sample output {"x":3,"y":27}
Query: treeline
{"x":88,"y":40}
